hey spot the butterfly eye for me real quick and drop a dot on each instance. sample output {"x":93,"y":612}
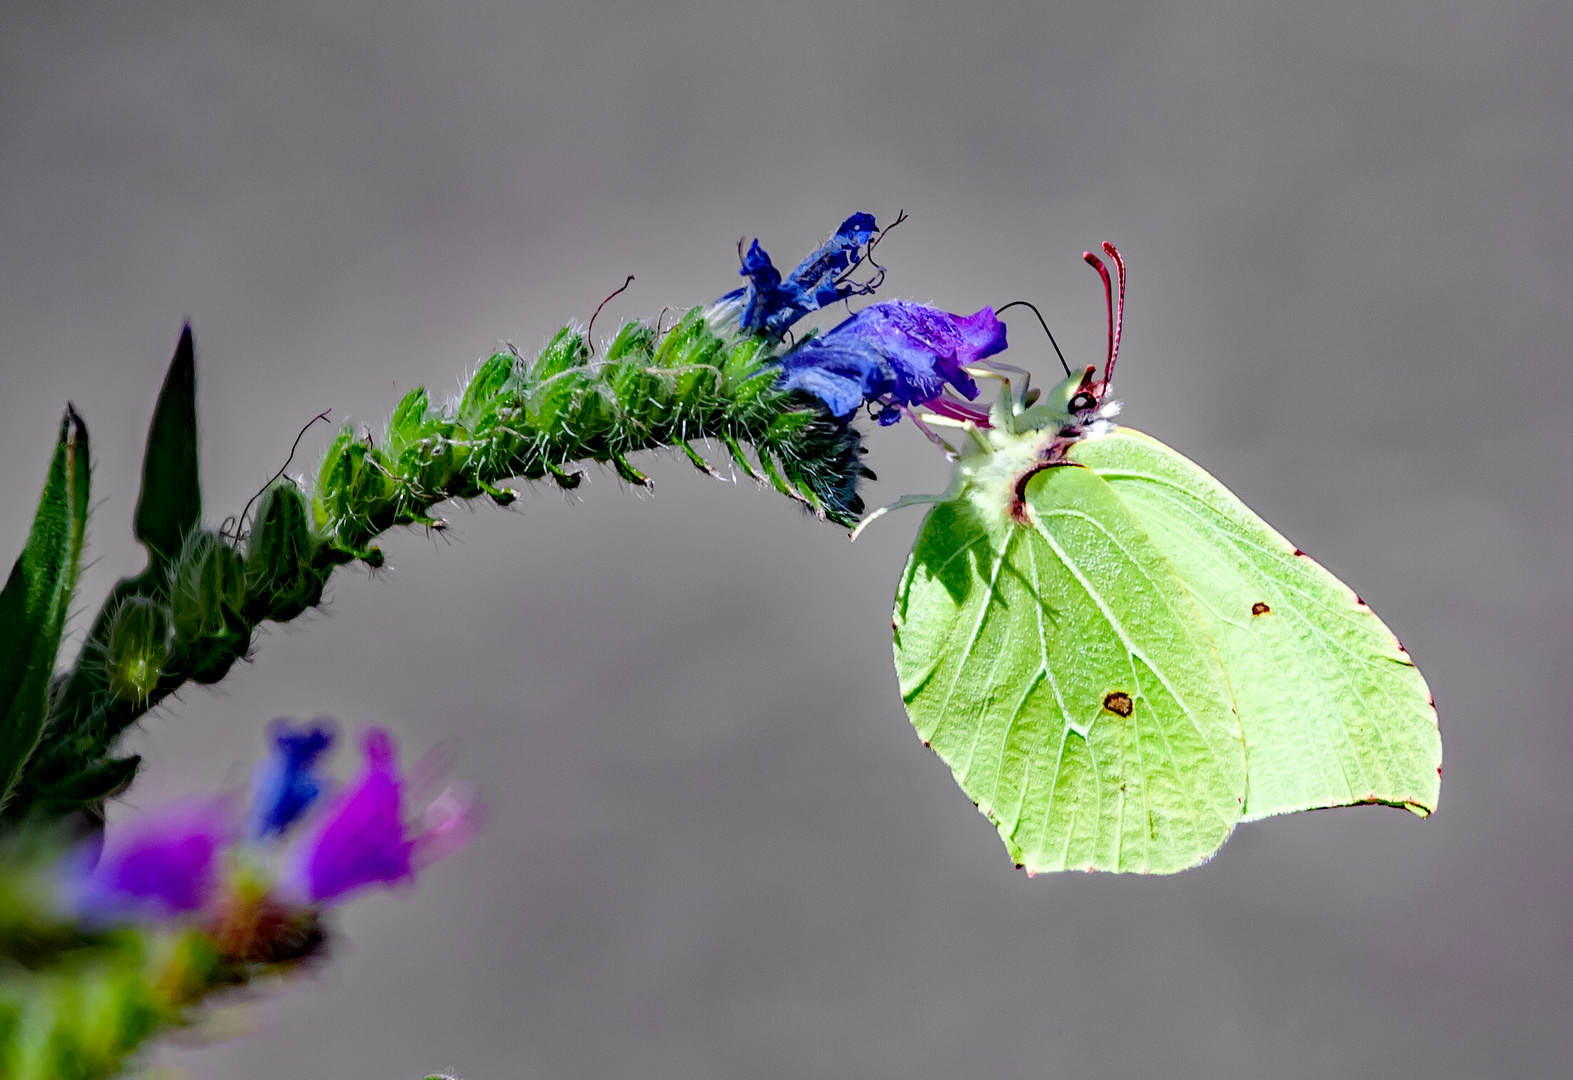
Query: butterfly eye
{"x":1082,"y":402}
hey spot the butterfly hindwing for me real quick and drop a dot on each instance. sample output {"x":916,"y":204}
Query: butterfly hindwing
{"x":1055,"y":662}
{"x":1332,"y":708}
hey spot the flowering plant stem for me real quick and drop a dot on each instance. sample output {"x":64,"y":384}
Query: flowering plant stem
{"x":194,"y":610}
{"x":104,"y":942}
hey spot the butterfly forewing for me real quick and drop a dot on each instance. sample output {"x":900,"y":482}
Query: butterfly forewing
{"x":1056,"y":663}
{"x":1332,"y":708}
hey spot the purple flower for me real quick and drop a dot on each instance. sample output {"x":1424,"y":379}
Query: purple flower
{"x":284,"y":785}
{"x":893,"y":354}
{"x":771,"y":305}
{"x":362,"y":839}
{"x":160,"y":864}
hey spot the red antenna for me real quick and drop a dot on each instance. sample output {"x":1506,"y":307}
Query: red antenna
{"x":1116,"y":316}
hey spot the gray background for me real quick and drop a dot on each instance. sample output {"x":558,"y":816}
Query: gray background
{"x":716,"y":848}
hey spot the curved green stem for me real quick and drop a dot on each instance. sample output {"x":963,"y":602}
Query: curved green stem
{"x":193,"y":613}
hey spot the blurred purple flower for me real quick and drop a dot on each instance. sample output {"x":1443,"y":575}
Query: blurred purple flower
{"x":771,"y":305}
{"x":162,"y":863}
{"x":285,"y":784}
{"x":362,"y":839}
{"x":893,"y":354}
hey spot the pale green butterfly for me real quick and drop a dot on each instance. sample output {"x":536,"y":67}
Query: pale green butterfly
{"x":1120,"y":661}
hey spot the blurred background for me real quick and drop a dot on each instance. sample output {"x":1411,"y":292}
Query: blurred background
{"x":716,"y":847}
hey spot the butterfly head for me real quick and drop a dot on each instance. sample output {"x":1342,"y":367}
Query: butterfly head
{"x":1074,"y":398}
{"x":1026,"y":429}
{"x":1081,"y":401}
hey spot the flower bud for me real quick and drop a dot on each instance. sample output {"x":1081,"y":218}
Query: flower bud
{"x":353,"y":492}
{"x":138,"y":645}
{"x":207,"y":596}
{"x":280,"y":579}
{"x":209,"y":589}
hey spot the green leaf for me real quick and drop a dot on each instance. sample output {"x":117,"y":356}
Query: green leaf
{"x":85,"y":715}
{"x":1333,"y":709}
{"x":168,"y":509}
{"x":36,"y":600}
{"x":170,"y":505}
{"x":1055,"y":662}
{"x":92,"y":785}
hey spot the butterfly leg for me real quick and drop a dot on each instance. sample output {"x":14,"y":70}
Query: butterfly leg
{"x":969,"y":426}
{"x":933,"y":437}
{"x":904,"y":501}
{"x":1018,"y":403}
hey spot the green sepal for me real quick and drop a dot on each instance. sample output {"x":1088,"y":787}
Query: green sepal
{"x":355,"y":493}
{"x":281,"y":580}
{"x":36,"y":600}
{"x":488,"y":383}
{"x":788,"y":424}
{"x":736,"y":449}
{"x":407,"y":426}
{"x":207,"y":601}
{"x":565,"y":480}
{"x":209,"y":589}
{"x":698,"y":461}
{"x":564,"y":351}
{"x":634,"y":339}
{"x":629,"y":473}
{"x":137,"y":648}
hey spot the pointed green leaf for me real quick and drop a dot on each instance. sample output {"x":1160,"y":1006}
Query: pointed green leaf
{"x":170,"y":505}
{"x":1333,"y":709}
{"x":36,"y":600}
{"x":86,"y":717}
{"x":1056,"y":664}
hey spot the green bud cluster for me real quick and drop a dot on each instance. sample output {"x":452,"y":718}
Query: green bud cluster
{"x":518,"y":419}
{"x":192,"y":614}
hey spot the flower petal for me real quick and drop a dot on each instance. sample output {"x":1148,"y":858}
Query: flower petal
{"x":162,"y":863}
{"x":285,"y":784}
{"x":771,"y":305}
{"x":361,"y":839}
{"x":900,"y":353}
{"x":451,"y":821}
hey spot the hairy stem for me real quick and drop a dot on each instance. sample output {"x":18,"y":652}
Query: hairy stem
{"x":533,"y":420}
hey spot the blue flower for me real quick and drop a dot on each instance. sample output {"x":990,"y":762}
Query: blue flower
{"x":894,"y":354}
{"x":771,"y":305}
{"x":284,"y":785}
{"x":162,"y":863}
